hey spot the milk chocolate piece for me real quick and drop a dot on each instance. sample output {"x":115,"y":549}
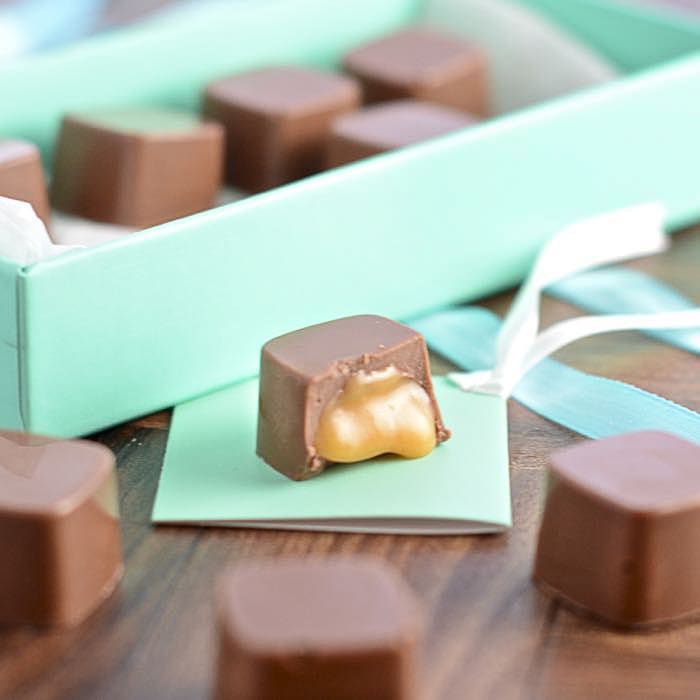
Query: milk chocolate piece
{"x":391,"y":125}
{"x":333,"y":629}
{"x":302,"y":373}
{"x":22,"y":176}
{"x":620,"y":528}
{"x":60,"y":549}
{"x":424,"y":64}
{"x":277,"y":121}
{"x":136,"y":167}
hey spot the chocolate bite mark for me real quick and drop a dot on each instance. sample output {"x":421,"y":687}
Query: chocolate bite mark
{"x":388,"y":126}
{"x":334,"y":628}
{"x":59,"y":529}
{"x":424,"y":64}
{"x":303,"y":371}
{"x":22,"y":176}
{"x":277,"y":121}
{"x":618,"y":535}
{"x":137,"y":167}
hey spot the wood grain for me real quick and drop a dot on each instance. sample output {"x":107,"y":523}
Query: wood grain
{"x":490,"y":633}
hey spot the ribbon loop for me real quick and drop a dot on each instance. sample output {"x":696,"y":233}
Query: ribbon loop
{"x":599,"y":240}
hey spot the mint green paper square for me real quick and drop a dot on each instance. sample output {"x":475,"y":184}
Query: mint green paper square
{"x":211,"y":475}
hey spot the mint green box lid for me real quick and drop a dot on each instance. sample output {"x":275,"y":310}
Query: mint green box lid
{"x":98,"y":336}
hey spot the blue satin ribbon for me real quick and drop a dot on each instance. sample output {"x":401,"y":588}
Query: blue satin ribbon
{"x":590,"y":405}
{"x":621,"y":290}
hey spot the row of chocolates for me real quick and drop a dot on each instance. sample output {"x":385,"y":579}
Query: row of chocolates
{"x":260,"y":129}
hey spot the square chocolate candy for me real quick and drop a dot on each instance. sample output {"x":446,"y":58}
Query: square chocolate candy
{"x":390,"y":125}
{"x":619,"y":535}
{"x":277,"y":121}
{"x":424,"y":64}
{"x":345,"y":391}
{"x":136,"y":167}
{"x":59,"y":529}
{"x":333,"y":629}
{"x":22,"y":176}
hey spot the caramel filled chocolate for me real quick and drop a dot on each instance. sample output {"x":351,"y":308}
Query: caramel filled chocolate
{"x":59,"y":529}
{"x":619,"y":533}
{"x":388,"y":126}
{"x":423,"y":64}
{"x":22,"y":176}
{"x":304,"y":374}
{"x":136,"y":167}
{"x":333,"y":629}
{"x":277,"y":121}
{"x":376,"y":413}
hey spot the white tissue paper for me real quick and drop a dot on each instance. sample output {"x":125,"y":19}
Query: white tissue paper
{"x":23,"y":236}
{"x":70,"y":230}
{"x":530,"y":59}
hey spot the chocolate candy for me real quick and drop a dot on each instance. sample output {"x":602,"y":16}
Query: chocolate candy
{"x":331,"y":629}
{"x":22,"y":176}
{"x":277,"y":121}
{"x":619,"y":533}
{"x":136,"y":167}
{"x":423,"y":64}
{"x":59,"y":529}
{"x":345,"y":391}
{"x":391,"y":125}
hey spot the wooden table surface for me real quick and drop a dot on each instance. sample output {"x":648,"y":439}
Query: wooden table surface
{"x":490,"y":633}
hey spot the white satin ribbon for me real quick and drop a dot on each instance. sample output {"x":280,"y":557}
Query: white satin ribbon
{"x":600,"y":240}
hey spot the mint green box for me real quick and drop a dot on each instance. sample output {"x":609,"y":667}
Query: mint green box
{"x":102,"y":335}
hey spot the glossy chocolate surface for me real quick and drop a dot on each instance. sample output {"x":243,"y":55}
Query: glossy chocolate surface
{"x":424,"y":64}
{"x":301,"y":372}
{"x":385,"y":127}
{"x":619,"y":532}
{"x":136,"y":167}
{"x":59,"y":529}
{"x":277,"y":121}
{"x":22,"y":176}
{"x":314,"y":629}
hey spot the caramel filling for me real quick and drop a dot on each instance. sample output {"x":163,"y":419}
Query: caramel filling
{"x":377,"y":413}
